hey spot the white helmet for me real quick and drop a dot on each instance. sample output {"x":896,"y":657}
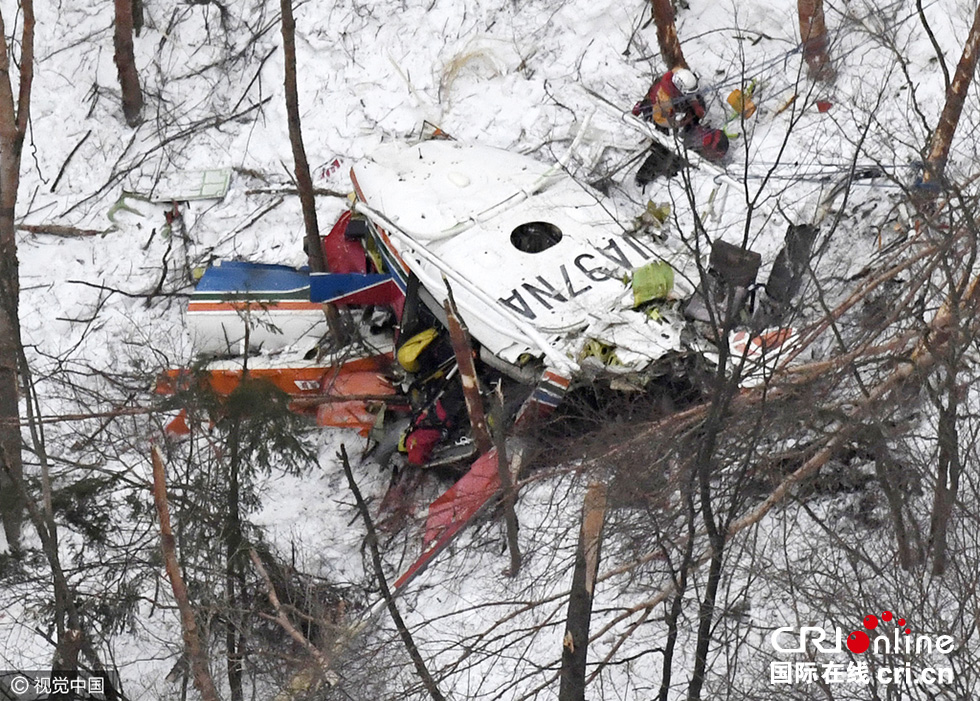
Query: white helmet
{"x":685,"y":81}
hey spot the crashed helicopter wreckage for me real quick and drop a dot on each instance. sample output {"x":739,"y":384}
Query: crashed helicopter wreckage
{"x":555,"y":292}
{"x":536,"y":261}
{"x":553,"y":287}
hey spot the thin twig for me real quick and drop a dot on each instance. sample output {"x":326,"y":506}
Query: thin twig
{"x":133,"y":295}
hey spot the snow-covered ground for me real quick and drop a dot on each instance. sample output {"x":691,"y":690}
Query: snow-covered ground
{"x":510,"y":75}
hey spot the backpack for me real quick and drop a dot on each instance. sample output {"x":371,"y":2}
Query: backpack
{"x":710,"y":143}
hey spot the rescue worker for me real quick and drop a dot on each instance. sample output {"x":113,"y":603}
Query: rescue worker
{"x":672,"y":101}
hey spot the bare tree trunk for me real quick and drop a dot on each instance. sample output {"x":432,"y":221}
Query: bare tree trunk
{"x":71,"y":638}
{"x":11,"y":468}
{"x":706,"y":613}
{"x":14,"y":118}
{"x":575,"y":646}
{"x":67,"y":622}
{"x":889,"y":475}
{"x":129,"y":79}
{"x":137,"y":16}
{"x":670,"y":45}
{"x":460,"y":339}
{"x":942,"y":139}
{"x":722,"y":394}
{"x":813,"y":33}
{"x":304,"y":181}
{"x":196,"y":653}
{"x":234,"y":570}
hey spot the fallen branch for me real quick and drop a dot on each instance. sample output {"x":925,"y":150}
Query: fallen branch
{"x":71,"y":155}
{"x":59,"y":230}
{"x":283,"y":620}
{"x":108,"y":414}
{"x":255,"y":77}
{"x":295,"y":191}
{"x":258,"y":216}
{"x":372,"y":541}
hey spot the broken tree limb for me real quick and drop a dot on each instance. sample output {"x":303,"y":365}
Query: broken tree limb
{"x":280,"y":617}
{"x":460,"y":338}
{"x":59,"y":230}
{"x":575,"y":644}
{"x":942,"y":139}
{"x":188,"y":621}
{"x":372,"y":540}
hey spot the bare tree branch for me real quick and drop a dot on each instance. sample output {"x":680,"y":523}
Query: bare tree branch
{"x":372,"y":541}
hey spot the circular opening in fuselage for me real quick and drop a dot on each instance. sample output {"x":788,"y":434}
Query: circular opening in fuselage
{"x":535,"y":236}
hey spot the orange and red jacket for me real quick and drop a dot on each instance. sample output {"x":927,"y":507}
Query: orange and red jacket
{"x":667,"y":106}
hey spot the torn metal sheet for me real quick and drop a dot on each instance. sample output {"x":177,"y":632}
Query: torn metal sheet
{"x":185,"y":186}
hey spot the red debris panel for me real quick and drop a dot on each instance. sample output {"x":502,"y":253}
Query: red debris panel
{"x":343,"y":255}
{"x":460,"y":502}
{"x":451,"y":512}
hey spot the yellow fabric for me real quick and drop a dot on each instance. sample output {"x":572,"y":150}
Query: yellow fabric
{"x":742,"y":102}
{"x":662,"y":108}
{"x":374,"y":254}
{"x":408,"y":354}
